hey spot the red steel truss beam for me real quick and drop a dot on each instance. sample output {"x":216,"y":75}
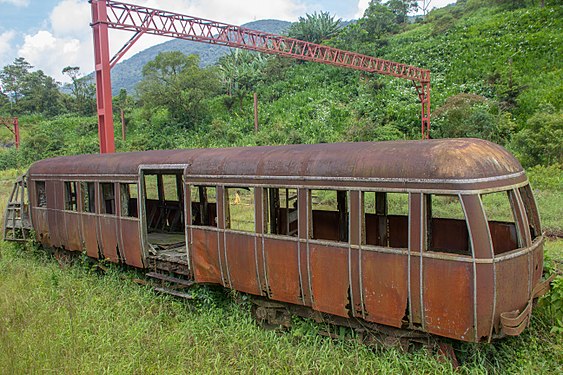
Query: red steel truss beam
{"x":140,"y":19}
{"x":12,"y":125}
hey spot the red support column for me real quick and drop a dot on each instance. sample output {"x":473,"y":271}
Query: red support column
{"x":103,"y":76}
{"x":423,"y":89}
{"x":17,"y":132}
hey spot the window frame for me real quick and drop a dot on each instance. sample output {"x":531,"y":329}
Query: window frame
{"x":427,"y":219}
{"x":363,"y":239}
{"x":102,"y":200}
{"x":190,"y":202}
{"x":227,"y":216}
{"x":40,"y":193}
{"x":310,"y":209}
{"x":70,"y":196}
{"x":267,"y":214}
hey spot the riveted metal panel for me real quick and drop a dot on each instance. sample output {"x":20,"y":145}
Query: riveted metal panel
{"x":330,"y":279}
{"x":72,"y":226}
{"x":41,"y":225}
{"x":89,"y":234}
{"x":131,"y":242}
{"x":512,"y":277}
{"x":205,"y":256}
{"x":384,"y":280}
{"x":240,"y":254}
{"x":448,"y":298}
{"x":282,"y":268}
{"x":108,"y":237}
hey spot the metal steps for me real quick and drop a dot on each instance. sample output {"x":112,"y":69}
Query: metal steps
{"x":17,"y":222}
{"x":174,"y":293}
{"x":170,"y":279}
{"x":171,"y":284}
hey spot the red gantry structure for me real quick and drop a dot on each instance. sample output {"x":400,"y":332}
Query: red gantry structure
{"x":13,"y":126}
{"x":141,"y":20}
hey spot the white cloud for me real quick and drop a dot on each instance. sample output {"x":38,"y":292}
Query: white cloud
{"x":18,"y":3}
{"x":71,"y":17}
{"x":51,"y":54}
{"x":6,"y":49}
{"x":362,"y":6}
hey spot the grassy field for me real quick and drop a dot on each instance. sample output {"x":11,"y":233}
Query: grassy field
{"x":69,"y":318}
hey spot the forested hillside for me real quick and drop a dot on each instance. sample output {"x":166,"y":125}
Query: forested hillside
{"x":496,"y":74}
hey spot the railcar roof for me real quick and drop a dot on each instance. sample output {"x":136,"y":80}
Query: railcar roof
{"x":447,"y":159}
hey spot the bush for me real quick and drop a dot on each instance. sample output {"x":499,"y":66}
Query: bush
{"x":541,"y":140}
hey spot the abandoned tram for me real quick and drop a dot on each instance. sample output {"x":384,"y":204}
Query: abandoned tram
{"x":436,"y":237}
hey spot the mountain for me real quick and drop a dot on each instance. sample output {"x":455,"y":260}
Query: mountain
{"x":128,"y":73}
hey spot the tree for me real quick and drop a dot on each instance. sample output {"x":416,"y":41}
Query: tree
{"x":13,"y":80}
{"x":315,"y":27}
{"x":175,"y":82}
{"x":424,"y":6}
{"x":82,"y":90}
{"x":40,"y":94}
{"x":240,"y":72}
{"x":540,"y":142}
{"x":379,"y":20}
{"x":402,"y":8}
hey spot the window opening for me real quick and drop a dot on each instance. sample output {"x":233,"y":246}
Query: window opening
{"x":164,"y":196}
{"x":88,"y":191}
{"x":70,"y":196}
{"x":108,"y":198}
{"x":239,"y":207}
{"x":151,"y":187}
{"x":129,"y":200}
{"x":499,"y":209}
{"x":386,"y":218}
{"x":531,"y":211}
{"x":41,"y":193}
{"x":280,"y":211}
{"x":204,"y":205}
{"x":329,"y":215}
{"x":447,"y":230}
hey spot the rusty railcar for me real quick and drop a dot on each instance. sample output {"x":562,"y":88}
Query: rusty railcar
{"x":406,"y":234}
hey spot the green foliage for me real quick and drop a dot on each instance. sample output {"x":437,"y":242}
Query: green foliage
{"x":315,"y":27}
{"x":72,"y":319}
{"x":241,"y":71}
{"x":83,"y":92}
{"x":175,"y":82}
{"x":546,"y":178}
{"x":30,"y":92}
{"x":378,"y":20}
{"x":468,"y":115}
{"x":541,"y":140}
{"x":402,"y":8}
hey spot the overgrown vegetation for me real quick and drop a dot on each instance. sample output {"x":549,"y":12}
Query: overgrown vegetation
{"x":496,"y":74}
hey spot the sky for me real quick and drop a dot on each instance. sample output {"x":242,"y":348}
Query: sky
{"x":53,"y":34}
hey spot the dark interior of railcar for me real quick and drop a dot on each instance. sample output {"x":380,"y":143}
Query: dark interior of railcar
{"x":386,"y":219}
{"x":499,"y":209}
{"x":446,"y":225}
{"x":330,"y":215}
{"x":164,"y":210}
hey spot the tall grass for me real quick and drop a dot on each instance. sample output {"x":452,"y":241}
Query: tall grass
{"x":61,"y":318}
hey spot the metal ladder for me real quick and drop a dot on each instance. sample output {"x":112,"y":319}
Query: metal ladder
{"x":17,"y":222}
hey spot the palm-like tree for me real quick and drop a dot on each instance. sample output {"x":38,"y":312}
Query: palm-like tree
{"x":315,"y":27}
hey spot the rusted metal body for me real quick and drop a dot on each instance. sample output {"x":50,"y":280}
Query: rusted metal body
{"x":142,"y":20}
{"x":449,"y":277}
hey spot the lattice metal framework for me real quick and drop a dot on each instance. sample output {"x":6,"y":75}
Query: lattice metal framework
{"x":143,"y":20}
